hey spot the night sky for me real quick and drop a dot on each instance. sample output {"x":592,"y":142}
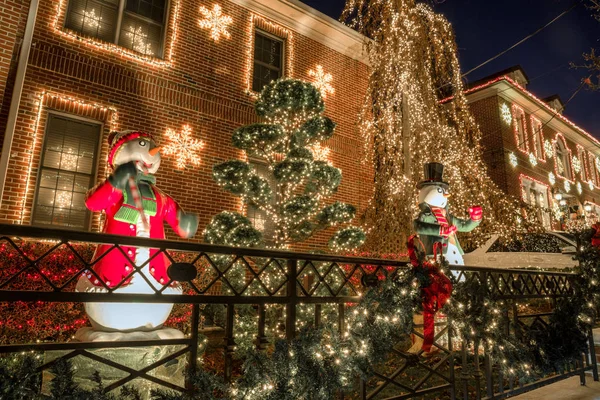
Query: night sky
{"x":484,"y":28}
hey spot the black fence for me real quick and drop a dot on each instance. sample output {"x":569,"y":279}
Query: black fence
{"x":231,"y":277}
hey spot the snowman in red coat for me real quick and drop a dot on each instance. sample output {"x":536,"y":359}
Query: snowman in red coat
{"x":135,"y":207}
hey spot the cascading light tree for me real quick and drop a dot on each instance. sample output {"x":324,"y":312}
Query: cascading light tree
{"x":413,"y":66}
{"x":294,"y":196}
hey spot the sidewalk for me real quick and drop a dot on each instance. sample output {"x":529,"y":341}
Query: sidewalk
{"x":568,"y":389}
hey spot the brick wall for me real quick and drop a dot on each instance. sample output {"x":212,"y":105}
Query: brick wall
{"x":204,"y":87}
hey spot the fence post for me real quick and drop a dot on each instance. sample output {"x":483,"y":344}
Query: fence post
{"x":193,"y":361}
{"x":451,"y":360}
{"x":593,"y":354}
{"x":261,"y":338}
{"x":292,"y":294}
{"x":229,"y":342}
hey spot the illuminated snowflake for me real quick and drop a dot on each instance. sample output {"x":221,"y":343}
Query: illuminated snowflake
{"x":551,"y":178}
{"x":90,"y":19}
{"x":548,"y":149}
{"x":138,"y":40}
{"x":576,"y":164}
{"x":532,"y":159}
{"x":579,"y":188}
{"x":183,"y":146}
{"x":567,"y":186}
{"x":320,"y":153}
{"x":591,"y":184}
{"x":322,"y":80}
{"x":216,"y":22}
{"x":513,"y":159}
{"x":506,"y":114}
{"x":63,"y":200}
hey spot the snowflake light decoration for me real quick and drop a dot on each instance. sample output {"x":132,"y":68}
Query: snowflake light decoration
{"x":567,"y":186}
{"x":576,"y":164}
{"x":551,"y":178}
{"x":183,"y":146}
{"x":513,"y":159}
{"x":579,"y":188}
{"x":320,"y":153}
{"x":548,"y":149}
{"x":322,"y":80}
{"x":216,"y":22}
{"x":532,"y":159}
{"x":506,"y":114}
{"x":90,"y":19}
{"x":591,"y":184}
{"x":138,"y":39}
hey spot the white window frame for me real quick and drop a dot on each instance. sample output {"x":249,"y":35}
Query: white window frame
{"x":282,"y":41}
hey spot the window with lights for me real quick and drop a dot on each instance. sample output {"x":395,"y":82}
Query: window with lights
{"x":538,"y":138}
{"x":257,"y":216}
{"x":520,"y":128}
{"x":138,"y":25}
{"x":563,"y":162}
{"x":536,"y":195}
{"x":268,"y":59}
{"x":67,"y":172}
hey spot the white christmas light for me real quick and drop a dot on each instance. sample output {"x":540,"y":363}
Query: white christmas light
{"x":548,"y":148}
{"x":512,"y":158}
{"x":138,"y":38}
{"x":551,"y":178}
{"x":576,"y":164}
{"x":598,"y":163}
{"x":90,"y":19}
{"x":183,"y":146}
{"x":532,"y":159}
{"x":591,"y":184}
{"x":216,"y":22}
{"x":579,"y":188}
{"x":567,"y":186}
{"x":322,"y":80}
{"x":506,"y":114}
{"x":320,"y":152}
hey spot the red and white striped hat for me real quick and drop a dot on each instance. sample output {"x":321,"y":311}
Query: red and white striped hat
{"x":116,"y":140}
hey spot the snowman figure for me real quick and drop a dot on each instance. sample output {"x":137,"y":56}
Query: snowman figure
{"x":135,"y":207}
{"x":435,"y":225}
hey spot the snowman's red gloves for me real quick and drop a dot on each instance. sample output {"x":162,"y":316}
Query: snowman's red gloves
{"x":118,"y":179}
{"x":187,"y":224}
{"x":476,"y":213}
{"x":446,"y":231}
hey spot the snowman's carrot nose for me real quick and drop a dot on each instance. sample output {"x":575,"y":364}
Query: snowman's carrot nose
{"x":153,"y":151}
{"x":447,"y":195}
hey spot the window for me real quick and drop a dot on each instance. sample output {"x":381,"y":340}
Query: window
{"x":138,"y":25}
{"x":563,"y":163}
{"x":66,"y":173}
{"x":257,"y":216}
{"x":538,"y":138}
{"x":583,"y":167}
{"x":520,"y":127}
{"x":536,"y":195}
{"x":268,"y":60}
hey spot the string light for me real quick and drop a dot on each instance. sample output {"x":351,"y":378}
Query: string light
{"x":505,"y":114}
{"x":110,"y":113}
{"x":548,"y":149}
{"x":138,"y":39}
{"x":322,"y":81}
{"x":532,"y":160}
{"x":320,"y":152}
{"x":512,"y":159}
{"x":551,"y":178}
{"x":579,"y":188}
{"x":216,"y":22}
{"x":520,"y":128}
{"x":576,"y":164}
{"x":567,"y":186}
{"x":538,"y":138}
{"x":146,"y":58}
{"x":183,"y":146}
{"x":90,"y":19}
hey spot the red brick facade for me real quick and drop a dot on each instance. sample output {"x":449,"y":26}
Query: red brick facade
{"x":200,"y":82}
{"x":501,"y":141}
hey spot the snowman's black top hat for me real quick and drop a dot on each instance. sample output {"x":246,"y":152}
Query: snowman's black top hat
{"x":434,"y":173}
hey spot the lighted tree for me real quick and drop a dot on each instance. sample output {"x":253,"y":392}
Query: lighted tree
{"x":414,"y":65}
{"x":294,"y":196}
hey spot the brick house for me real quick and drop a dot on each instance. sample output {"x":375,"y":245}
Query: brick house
{"x":533,"y":151}
{"x":101,"y":65}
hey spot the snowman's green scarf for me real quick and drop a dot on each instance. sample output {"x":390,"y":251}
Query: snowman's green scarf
{"x":128,"y":211}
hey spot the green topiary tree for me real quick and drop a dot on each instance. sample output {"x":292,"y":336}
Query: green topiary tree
{"x":294,"y":200}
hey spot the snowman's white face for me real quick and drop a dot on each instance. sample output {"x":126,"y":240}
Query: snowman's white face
{"x":435,"y":196}
{"x":139,"y":150}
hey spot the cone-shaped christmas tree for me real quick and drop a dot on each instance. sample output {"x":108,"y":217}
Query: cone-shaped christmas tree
{"x":414,"y":64}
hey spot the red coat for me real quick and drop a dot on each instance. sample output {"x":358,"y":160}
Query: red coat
{"x":596,"y":237}
{"x":114,"y":266}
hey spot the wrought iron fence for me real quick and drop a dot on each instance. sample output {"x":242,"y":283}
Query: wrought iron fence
{"x":240,"y":276}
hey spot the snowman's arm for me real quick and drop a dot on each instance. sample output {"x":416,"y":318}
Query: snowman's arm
{"x":426,"y":228}
{"x":184,"y":224}
{"x":102,"y":196}
{"x":464,"y":225}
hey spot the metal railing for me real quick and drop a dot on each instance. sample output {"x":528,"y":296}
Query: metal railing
{"x":236,"y":276}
